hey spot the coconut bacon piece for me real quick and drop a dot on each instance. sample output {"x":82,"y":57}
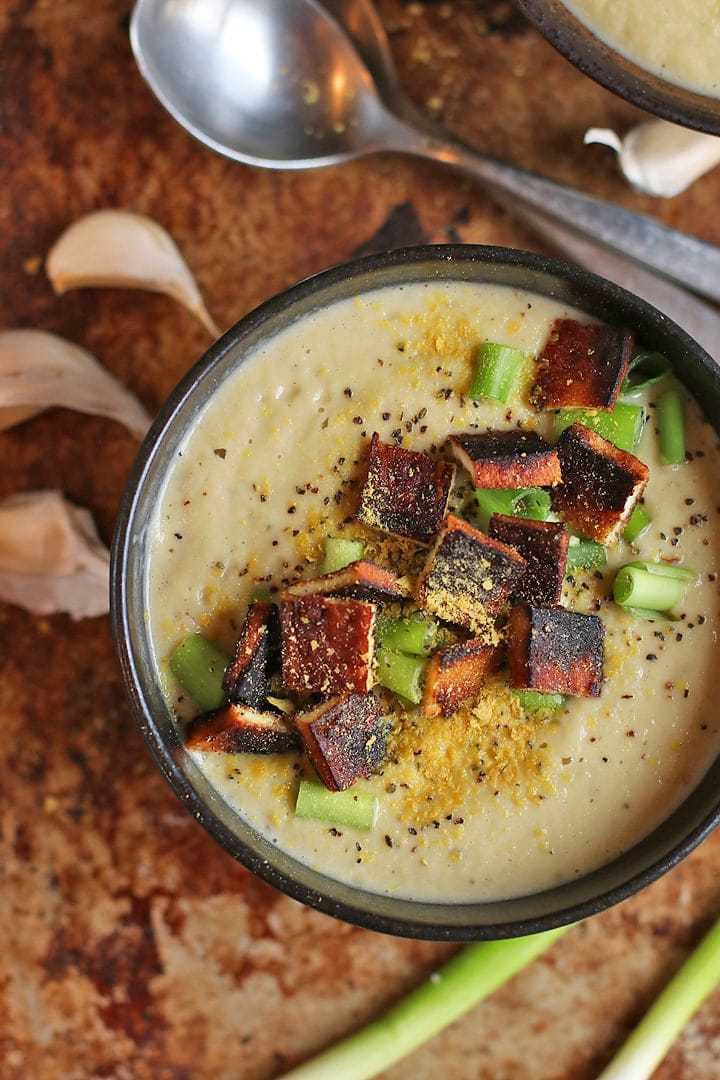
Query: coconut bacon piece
{"x":468,"y":576}
{"x":544,"y":544}
{"x":327,"y":644}
{"x":247,"y":676}
{"x":405,"y":492}
{"x":457,"y":674}
{"x":238,"y":729}
{"x":507,"y":459}
{"x":345,"y":738}
{"x":361,"y":580}
{"x":601,"y":484}
{"x":582,"y":364}
{"x":555,"y":651}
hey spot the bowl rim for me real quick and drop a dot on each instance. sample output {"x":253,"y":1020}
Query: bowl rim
{"x":618,"y":73}
{"x":690,"y":823}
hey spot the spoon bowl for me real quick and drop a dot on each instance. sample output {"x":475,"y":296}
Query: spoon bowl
{"x":256,"y":88}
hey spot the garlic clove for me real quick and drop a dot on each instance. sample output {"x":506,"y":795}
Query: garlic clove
{"x":39,"y":370}
{"x":660,"y":158}
{"x":128,"y":250}
{"x":51,"y":557}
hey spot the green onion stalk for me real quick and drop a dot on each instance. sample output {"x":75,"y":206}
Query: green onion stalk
{"x":473,"y":974}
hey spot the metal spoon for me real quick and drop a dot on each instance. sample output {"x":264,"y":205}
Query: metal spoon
{"x":279,"y":84}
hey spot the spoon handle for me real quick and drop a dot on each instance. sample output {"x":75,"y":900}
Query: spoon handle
{"x":676,"y":255}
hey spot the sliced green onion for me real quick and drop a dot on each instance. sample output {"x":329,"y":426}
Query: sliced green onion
{"x":640,"y":1055}
{"x":585,"y":555}
{"x":401,"y":673}
{"x":638,"y":523}
{"x":671,"y":427}
{"x":622,"y":426}
{"x":497,"y":372}
{"x":534,"y":503}
{"x":355,"y":809}
{"x":472,"y":975}
{"x":644,"y":370}
{"x":537,"y":700}
{"x":199,"y":665}
{"x":339,"y":553}
{"x":512,"y":502}
{"x":411,"y":634}
{"x":654,"y":586}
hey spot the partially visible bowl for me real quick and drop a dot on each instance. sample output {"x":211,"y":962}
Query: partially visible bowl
{"x":608,"y":62}
{"x":685,"y":825}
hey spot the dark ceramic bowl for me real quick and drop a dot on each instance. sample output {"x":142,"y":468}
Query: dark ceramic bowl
{"x":617,"y":73}
{"x":656,"y":854}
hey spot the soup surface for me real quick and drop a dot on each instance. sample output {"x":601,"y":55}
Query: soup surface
{"x":490,"y":802}
{"x":678,"y":42}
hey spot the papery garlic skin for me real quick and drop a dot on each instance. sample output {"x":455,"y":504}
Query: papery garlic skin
{"x":39,"y":370}
{"x":660,"y":158}
{"x":120,"y":248}
{"x":51,"y":557}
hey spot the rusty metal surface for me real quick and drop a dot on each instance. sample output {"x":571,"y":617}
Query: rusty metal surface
{"x":132,"y":946}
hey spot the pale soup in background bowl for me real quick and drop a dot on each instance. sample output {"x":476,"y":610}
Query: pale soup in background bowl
{"x":497,"y":819}
{"x":658,"y":54}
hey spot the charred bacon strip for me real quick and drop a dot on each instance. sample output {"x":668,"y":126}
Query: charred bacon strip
{"x":345,"y":738}
{"x":405,"y":492}
{"x":468,"y":576}
{"x":544,"y":544}
{"x":582,"y":364}
{"x":555,"y":651}
{"x":456,"y":674}
{"x":238,"y":729}
{"x":361,"y":580}
{"x":247,"y":676}
{"x":327,"y":644}
{"x":507,"y":459}
{"x":601,"y":485}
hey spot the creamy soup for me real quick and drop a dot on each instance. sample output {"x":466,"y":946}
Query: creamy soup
{"x":490,"y":802}
{"x":678,"y":42}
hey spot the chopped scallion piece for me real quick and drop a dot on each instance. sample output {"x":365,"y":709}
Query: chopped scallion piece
{"x":537,"y":700}
{"x":199,"y":665}
{"x":352,"y":808}
{"x":622,"y":426}
{"x":637,"y":524}
{"x":645,"y":369}
{"x":339,"y":553}
{"x":513,"y":502}
{"x":472,"y":975}
{"x":586,"y":555}
{"x":654,"y":586}
{"x":401,"y":673}
{"x":497,"y":372}
{"x":413,"y":634}
{"x":671,"y":427}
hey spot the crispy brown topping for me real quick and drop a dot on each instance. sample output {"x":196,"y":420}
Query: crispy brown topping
{"x":327,"y":644}
{"x":544,"y":545}
{"x":457,"y":674}
{"x":247,"y":677}
{"x":601,"y":484}
{"x":582,"y":364}
{"x":361,"y":580}
{"x":345,"y":738}
{"x":507,"y":459}
{"x":404,"y":492}
{"x":239,"y":729}
{"x":468,"y":576}
{"x":555,"y":651}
